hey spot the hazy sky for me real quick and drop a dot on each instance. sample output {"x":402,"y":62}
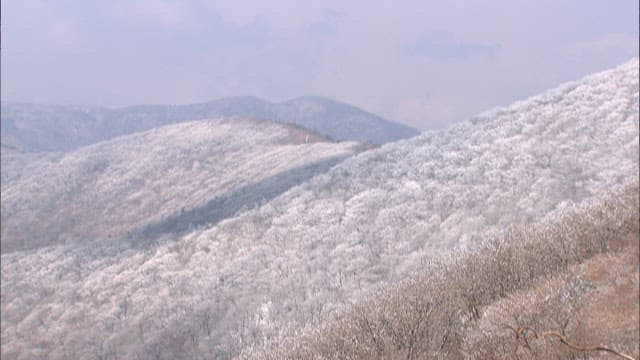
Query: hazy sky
{"x":424,"y":63}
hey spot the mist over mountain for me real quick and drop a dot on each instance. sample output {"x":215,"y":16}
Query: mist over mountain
{"x":32,"y":127}
{"x":373,"y":219}
{"x":162,"y":181}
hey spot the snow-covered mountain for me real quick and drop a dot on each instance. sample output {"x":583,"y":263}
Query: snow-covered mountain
{"x":33,"y":127}
{"x":373,"y":219}
{"x":15,"y":162}
{"x":161,"y":181}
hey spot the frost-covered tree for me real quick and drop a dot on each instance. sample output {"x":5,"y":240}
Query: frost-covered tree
{"x":372,"y":220}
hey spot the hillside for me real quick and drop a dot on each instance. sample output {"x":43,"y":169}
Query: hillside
{"x":163,"y":181}
{"x":374,"y":219}
{"x":15,"y":163}
{"x":33,"y":127}
{"x":574,"y":274}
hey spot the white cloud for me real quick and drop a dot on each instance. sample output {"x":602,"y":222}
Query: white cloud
{"x":167,"y":15}
{"x":443,"y":45}
{"x":605,"y":45}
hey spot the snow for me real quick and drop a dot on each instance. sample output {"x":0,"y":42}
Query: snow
{"x":373,"y":219}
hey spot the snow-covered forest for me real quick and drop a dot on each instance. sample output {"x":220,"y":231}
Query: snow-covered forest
{"x":372,"y":220}
{"x":190,"y":175}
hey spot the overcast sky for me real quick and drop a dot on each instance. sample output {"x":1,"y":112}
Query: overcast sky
{"x":423,"y":63}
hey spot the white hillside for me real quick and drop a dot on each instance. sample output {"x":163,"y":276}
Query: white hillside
{"x":159,"y":181}
{"x":373,"y":219}
{"x":14,"y":163}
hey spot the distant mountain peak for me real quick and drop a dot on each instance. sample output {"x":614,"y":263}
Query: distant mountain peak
{"x":61,"y":128}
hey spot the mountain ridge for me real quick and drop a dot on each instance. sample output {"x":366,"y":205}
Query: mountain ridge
{"x":34,"y":127}
{"x":171,"y":173}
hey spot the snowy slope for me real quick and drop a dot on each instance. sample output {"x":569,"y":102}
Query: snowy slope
{"x":161,"y":181}
{"x":371,"y":220}
{"x":15,"y":163}
{"x":33,"y":127}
